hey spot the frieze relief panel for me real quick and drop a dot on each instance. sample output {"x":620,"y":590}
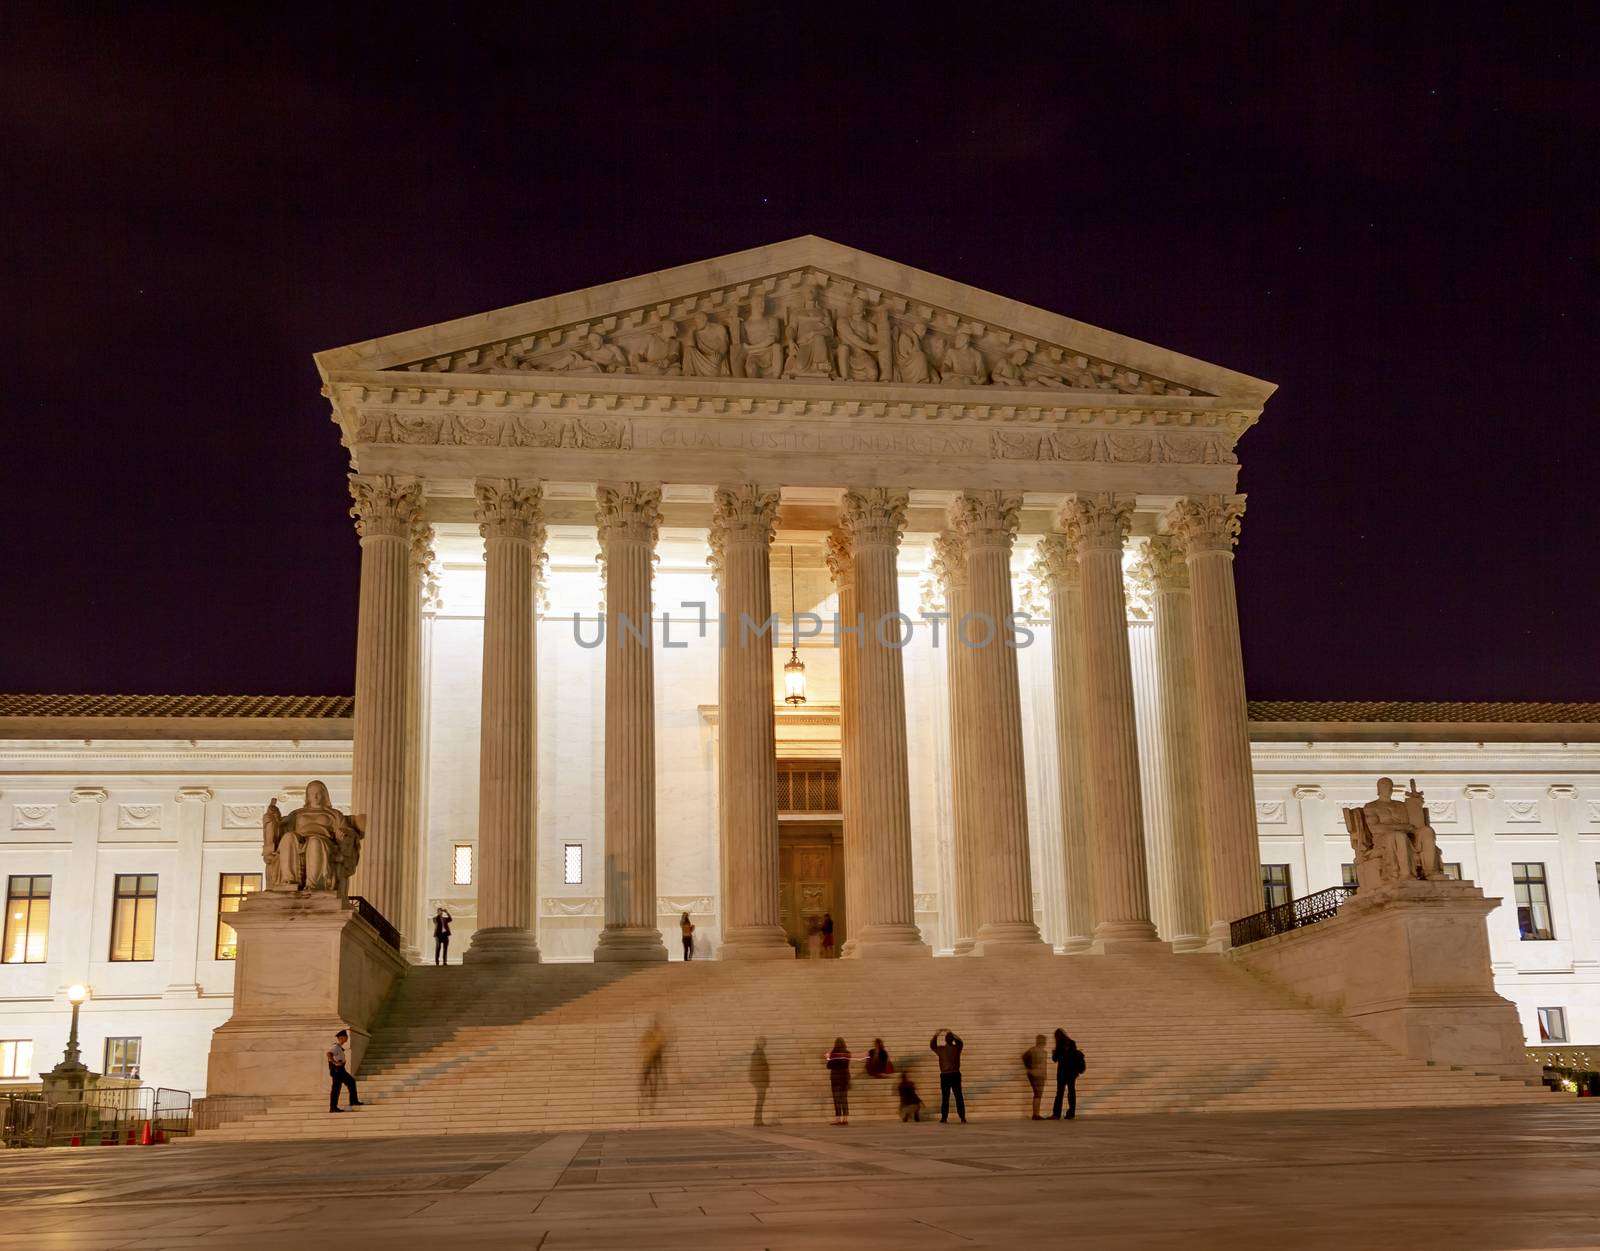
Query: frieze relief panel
{"x":33,"y":816}
{"x":804,"y":324}
{"x":139,"y":816}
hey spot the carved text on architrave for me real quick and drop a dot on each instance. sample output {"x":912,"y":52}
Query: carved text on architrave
{"x":805,"y":324}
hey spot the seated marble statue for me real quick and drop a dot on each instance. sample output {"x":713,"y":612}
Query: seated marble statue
{"x":315,"y":848}
{"x":1392,"y":839}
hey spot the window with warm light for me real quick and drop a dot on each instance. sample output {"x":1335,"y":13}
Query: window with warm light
{"x":1533,"y":902}
{"x":1275,"y":885}
{"x":572,"y":864}
{"x":1452,"y":869}
{"x":1347,"y":874}
{"x":230,"y":894}
{"x":16,"y":1058}
{"x":122,"y":1057}
{"x":133,"y":917}
{"x":461,"y":864}
{"x":27,"y":920}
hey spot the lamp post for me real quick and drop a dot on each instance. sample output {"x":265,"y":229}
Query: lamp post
{"x":72,"y":1074}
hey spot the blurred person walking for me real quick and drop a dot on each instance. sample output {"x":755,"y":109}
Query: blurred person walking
{"x":339,"y":1074}
{"x":760,"y":1076}
{"x":1036,"y":1060}
{"x":686,"y":927}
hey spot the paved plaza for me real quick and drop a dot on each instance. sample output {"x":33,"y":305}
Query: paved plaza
{"x":1494,"y":1178}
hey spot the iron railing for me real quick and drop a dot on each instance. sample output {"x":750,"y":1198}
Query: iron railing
{"x":210,"y":1111}
{"x":1290,"y":916}
{"x":370,"y":914}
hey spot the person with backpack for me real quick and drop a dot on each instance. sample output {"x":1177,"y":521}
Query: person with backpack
{"x":1069,"y":1065}
{"x":949,"y":1053}
{"x":1036,"y":1063}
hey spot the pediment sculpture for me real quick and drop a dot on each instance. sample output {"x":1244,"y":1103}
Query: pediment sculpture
{"x":313,"y":848}
{"x":804,"y":325}
{"x":1393,"y":840}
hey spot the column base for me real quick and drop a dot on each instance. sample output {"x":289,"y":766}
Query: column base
{"x":1220,"y":937}
{"x":1077,"y":945}
{"x":1010,"y":938}
{"x":1191,"y":942}
{"x":755,"y":942}
{"x":635,"y":944}
{"x":502,"y":944}
{"x":1121,"y":938}
{"x":963,"y":947}
{"x":891,"y":942}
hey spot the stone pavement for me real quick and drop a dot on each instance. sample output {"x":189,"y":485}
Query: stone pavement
{"x":1458,"y":1178}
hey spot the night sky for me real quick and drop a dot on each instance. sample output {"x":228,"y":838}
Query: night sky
{"x":1388,"y":210}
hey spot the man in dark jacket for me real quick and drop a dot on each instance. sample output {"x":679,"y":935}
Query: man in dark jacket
{"x":949,"y":1053}
{"x":1069,"y":1064}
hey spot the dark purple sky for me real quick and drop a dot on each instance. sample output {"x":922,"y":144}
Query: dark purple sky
{"x":1390,"y":211}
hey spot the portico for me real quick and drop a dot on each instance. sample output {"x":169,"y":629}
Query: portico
{"x":923,"y":444}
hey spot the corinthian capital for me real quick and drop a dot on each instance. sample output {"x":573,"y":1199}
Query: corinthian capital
{"x":1206,"y":523}
{"x":1162,"y":565}
{"x":1097,"y":522}
{"x":385,"y":504}
{"x":741,"y":514}
{"x":840,"y":556}
{"x":875,"y":515}
{"x":628,"y":511}
{"x":1055,"y":562}
{"x":987,"y":518}
{"x":509,"y":508}
{"x":950,"y":561}
{"x":421,"y":536}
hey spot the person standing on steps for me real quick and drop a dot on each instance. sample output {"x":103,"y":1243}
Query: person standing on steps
{"x":339,"y":1074}
{"x":838,"y":1062}
{"x":760,"y":1076}
{"x":1069,"y":1064}
{"x":686,"y":926}
{"x":827,"y":934}
{"x":441,"y":936}
{"x":949,"y":1053}
{"x":1036,"y":1060}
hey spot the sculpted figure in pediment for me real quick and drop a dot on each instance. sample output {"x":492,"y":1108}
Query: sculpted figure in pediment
{"x":810,"y":351}
{"x":910,"y":356}
{"x":860,"y":341}
{"x":1007,"y":371}
{"x":607,"y":357}
{"x":762,"y":356}
{"x":705,"y":354}
{"x":661,"y":353}
{"x":963,"y":364}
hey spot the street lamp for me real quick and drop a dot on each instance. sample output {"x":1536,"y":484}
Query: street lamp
{"x":72,"y":1074}
{"x":76,"y":994}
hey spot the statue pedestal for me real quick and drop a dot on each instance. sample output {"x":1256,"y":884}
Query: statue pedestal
{"x":1409,"y":963}
{"x":308,"y":967}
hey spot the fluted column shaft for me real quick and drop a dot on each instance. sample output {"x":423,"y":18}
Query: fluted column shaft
{"x":950,"y":565}
{"x":1208,"y":527}
{"x":747,"y":767}
{"x":629,"y":519}
{"x":875,"y":518}
{"x":987,"y":523}
{"x":1096,"y":526}
{"x":510,"y":520}
{"x":1183,"y":842}
{"x":409,"y":922}
{"x":384,"y":510}
{"x":1057,"y":565}
{"x":841,"y":566}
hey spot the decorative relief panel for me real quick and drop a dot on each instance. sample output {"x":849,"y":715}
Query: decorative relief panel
{"x":1522,"y":810}
{"x":1442,"y":811}
{"x":33,"y":816}
{"x":1110,"y":447}
{"x":1594,"y":810}
{"x":138,"y":816}
{"x":676,"y":905}
{"x":1271,"y":812}
{"x":574,"y":906}
{"x":242,"y":816}
{"x":925,"y":901}
{"x":803,"y":324}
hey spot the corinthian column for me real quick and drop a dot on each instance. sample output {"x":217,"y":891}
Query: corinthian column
{"x":1207,"y":526}
{"x":385,"y":508}
{"x":512,"y":525}
{"x":841,"y":566}
{"x":409,"y":922}
{"x":1096,"y":525}
{"x":1181,"y":846}
{"x":987,"y":524}
{"x":747,"y":766}
{"x":629,"y":519}
{"x":950,"y":567}
{"x":875,"y":518}
{"x":1056,"y":565}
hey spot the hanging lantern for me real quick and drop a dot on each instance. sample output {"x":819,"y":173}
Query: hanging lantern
{"x":794,"y":670}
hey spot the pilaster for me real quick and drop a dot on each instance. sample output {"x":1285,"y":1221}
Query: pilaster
{"x":950,"y":567}
{"x":186,"y":883}
{"x":841,"y":568}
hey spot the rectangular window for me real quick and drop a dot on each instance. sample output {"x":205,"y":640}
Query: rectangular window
{"x":461,"y":864}
{"x":230,"y":894}
{"x":1553,"y":1025}
{"x":133,"y":917}
{"x":1275,"y":884}
{"x":1533,"y":902}
{"x":572,"y":864}
{"x":1452,"y":869}
{"x":27,"y":920}
{"x":122,"y":1057}
{"x":1348,"y":873}
{"x":16,"y":1057}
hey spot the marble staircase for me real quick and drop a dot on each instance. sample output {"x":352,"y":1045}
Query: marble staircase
{"x":475,"y":1049}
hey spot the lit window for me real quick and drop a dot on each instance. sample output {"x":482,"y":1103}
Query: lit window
{"x":1275,"y":885}
{"x":16,"y":1057}
{"x":122,"y":1057}
{"x":230,"y":894}
{"x":1553,"y":1025}
{"x":1347,"y":873}
{"x":1452,"y":870}
{"x":27,"y":920}
{"x":461,"y":864}
{"x":133,"y":917}
{"x":572,"y":864}
{"x":1533,"y":902}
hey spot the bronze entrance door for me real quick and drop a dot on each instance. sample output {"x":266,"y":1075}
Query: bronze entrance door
{"x":811,"y":880}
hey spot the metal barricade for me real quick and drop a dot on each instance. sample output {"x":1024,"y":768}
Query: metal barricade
{"x":1307,"y":910}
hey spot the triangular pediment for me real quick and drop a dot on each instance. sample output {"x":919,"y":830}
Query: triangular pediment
{"x":802,"y":310}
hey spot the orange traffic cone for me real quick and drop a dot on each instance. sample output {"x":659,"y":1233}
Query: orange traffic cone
{"x":144,"y":1137}
{"x":76,"y":1141}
